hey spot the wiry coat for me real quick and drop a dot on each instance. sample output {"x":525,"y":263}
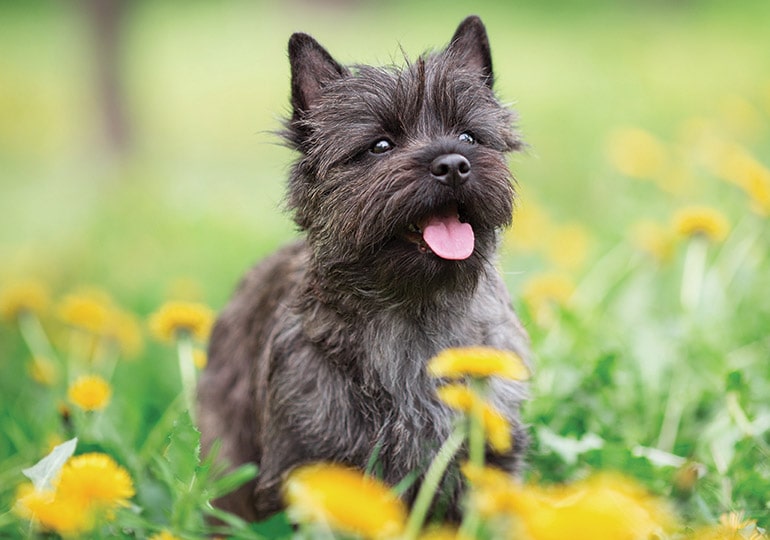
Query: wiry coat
{"x":321,"y":354}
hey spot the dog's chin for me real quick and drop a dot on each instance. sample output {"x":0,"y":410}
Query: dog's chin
{"x":407,"y":266}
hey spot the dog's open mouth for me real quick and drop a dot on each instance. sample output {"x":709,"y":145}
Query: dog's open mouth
{"x":443,"y":234}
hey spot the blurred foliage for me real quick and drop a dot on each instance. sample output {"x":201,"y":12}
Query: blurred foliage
{"x":652,"y":349}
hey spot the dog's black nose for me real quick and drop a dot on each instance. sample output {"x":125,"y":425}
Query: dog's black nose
{"x":452,"y":170}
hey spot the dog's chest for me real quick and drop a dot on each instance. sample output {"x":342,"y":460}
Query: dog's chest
{"x":365,"y":378}
{"x":395,"y":362}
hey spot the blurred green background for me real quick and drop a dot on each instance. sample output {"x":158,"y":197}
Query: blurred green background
{"x":193,"y":185}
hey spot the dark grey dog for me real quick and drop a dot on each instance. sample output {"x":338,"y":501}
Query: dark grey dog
{"x":402,"y":189}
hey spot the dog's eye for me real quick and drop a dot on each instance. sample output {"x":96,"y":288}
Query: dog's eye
{"x":467,"y":137}
{"x":381,"y":146}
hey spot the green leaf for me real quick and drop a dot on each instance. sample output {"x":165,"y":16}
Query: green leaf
{"x":230,"y":481}
{"x":277,"y":526}
{"x":735,"y":381}
{"x":48,"y":468}
{"x":183,"y":451}
{"x":606,"y":368}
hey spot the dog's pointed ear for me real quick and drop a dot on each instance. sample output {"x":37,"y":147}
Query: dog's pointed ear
{"x":470,"y":46}
{"x":312,"y":67}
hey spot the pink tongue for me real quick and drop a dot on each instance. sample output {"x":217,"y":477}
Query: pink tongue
{"x":448,"y":237}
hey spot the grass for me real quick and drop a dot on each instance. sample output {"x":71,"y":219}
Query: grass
{"x":649,"y":362}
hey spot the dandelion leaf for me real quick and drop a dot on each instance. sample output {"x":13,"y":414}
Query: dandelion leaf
{"x":182,"y":453}
{"x":47,"y":469}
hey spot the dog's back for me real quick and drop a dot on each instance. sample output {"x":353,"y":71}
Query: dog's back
{"x":239,"y":356}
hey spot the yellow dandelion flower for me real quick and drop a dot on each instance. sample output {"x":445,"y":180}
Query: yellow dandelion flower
{"x":164,"y":535}
{"x":736,"y":521}
{"x":88,"y":488}
{"x":497,"y":429}
{"x":442,"y":532}
{"x":486,"y":477}
{"x":758,"y":190}
{"x":737,"y":166}
{"x":717,"y":532}
{"x":90,"y":393}
{"x":732,"y":163}
{"x":95,"y":480}
{"x":67,"y":517}
{"x":457,"y":396}
{"x":545,"y":293}
{"x":702,"y":221}
{"x":345,"y":500}
{"x":552,"y":287}
{"x":531,"y":224}
{"x":491,"y":488}
{"x":88,"y":310}
{"x":653,"y":239}
{"x":568,"y":246}
{"x":179,"y":318}
{"x":731,"y":526}
{"x":124,"y":330}
{"x":636,"y":153}
{"x":43,"y":371}
{"x":456,"y":363}
{"x":740,"y":117}
{"x":23,"y":296}
{"x":603,"y":507}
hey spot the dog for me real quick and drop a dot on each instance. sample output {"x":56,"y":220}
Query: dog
{"x":402,"y":189}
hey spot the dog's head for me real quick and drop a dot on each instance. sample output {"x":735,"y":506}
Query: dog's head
{"x":402,"y":178}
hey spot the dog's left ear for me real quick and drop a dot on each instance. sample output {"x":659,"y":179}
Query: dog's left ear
{"x":470,"y":46}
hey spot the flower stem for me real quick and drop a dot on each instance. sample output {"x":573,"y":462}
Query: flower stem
{"x":693,"y":272}
{"x":79,"y":360}
{"x":476,"y":451}
{"x":106,"y":356}
{"x":431,"y":482}
{"x":738,"y":415}
{"x":476,"y":426}
{"x":187,"y":372}
{"x":672,"y":416}
{"x":34,"y":336}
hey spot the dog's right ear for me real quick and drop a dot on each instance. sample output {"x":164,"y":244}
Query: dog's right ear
{"x":311,"y":69}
